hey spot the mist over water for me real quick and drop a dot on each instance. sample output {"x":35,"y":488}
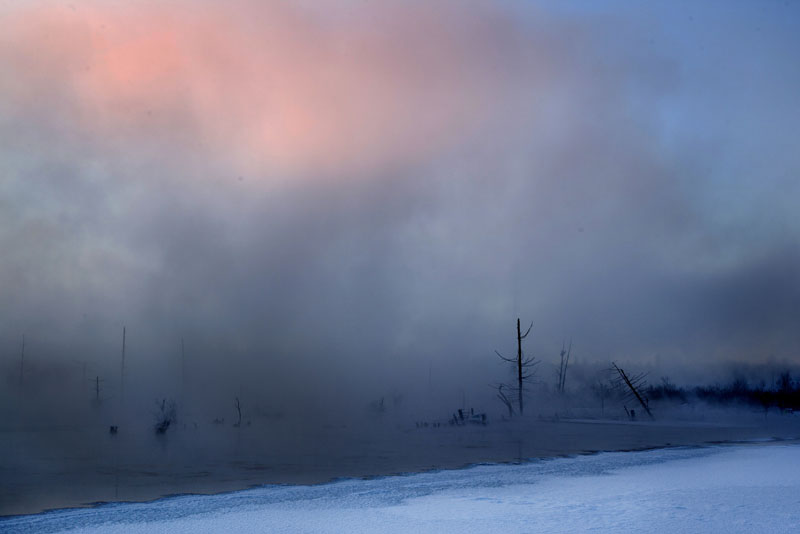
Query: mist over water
{"x":343,"y":209}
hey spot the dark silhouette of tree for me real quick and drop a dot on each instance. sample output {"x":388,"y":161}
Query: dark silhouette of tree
{"x":97,"y":389}
{"x":562,"y":367}
{"x":238,"y":406}
{"x":505,"y":400}
{"x":524,"y":369}
{"x":122,"y":368}
{"x":633,"y":384}
{"x":22,"y":361}
{"x":165,"y":415}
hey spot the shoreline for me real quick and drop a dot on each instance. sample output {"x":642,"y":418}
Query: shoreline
{"x":99,"y":504}
{"x":395,"y":452}
{"x":688,"y":489}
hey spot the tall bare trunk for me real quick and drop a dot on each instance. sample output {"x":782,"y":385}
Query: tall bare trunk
{"x":519,"y":364}
{"x":122,"y":369}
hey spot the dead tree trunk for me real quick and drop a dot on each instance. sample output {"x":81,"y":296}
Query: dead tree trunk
{"x":183,"y":366}
{"x":122,"y":368}
{"x":97,"y":398}
{"x":632,"y":387}
{"x":522,"y":364}
{"x":22,"y":361}
{"x":505,"y":400}
{"x":562,"y":368}
{"x":519,"y":364}
{"x":238,"y":411}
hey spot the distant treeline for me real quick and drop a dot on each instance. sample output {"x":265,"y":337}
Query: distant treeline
{"x":784,"y":394}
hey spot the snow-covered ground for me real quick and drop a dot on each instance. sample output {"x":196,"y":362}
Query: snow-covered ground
{"x":743,"y":488}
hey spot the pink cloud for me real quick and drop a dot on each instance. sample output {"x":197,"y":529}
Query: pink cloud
{"x":270,"y":88}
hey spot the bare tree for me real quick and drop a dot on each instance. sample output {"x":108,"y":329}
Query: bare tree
{"x":122,"y":368}
{"x":97,"y":381}
{"x":183,"y":365}
{"x":505,"y":400}
{"x":634,"y":385}
{"x":238,"y":411}
{"x":22,"y":360}
{"x":524,"y":366}
{"x":165,"y":415}
{"x":562,"y":367}
{"x":97,"y":389}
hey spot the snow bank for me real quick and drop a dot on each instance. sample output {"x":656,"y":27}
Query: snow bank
{"x":746,"y":488}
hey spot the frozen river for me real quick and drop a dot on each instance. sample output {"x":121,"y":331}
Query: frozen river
{"x":737,"y":488}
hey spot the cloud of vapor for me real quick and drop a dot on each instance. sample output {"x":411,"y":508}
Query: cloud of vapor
{"x":274,"y":87}
{"x":347,"y":195}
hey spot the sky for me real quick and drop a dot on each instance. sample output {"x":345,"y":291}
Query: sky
{"x":349,"y":192}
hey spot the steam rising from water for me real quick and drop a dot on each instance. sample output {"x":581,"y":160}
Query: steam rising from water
{"x":365,"y":197}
